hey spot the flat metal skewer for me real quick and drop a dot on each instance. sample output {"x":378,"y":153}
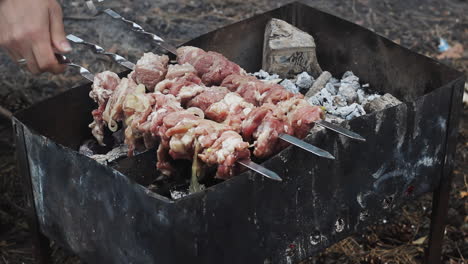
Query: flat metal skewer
{"x":306,"y":146}
{"x":83,"y":71}
{"x":139,"y":29}
{"x":340,"y":130}
{"x":259,"y":169}
{"x":101,"y":51}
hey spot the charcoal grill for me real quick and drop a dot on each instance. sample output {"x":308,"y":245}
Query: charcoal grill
{"x":106,"y":214}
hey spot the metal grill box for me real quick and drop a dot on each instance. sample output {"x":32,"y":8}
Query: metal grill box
{"x":106,"y":214}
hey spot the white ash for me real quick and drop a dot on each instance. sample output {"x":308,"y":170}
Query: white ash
{"x":290,"y":86}
{"x":331,"y":88}
{"x":344,"y":98}
{"x":319,"y":84}
{"x":348,"y":92}
{"x":178,"y":194}
{"x":304,"y":81}
{"x":89,"y":146}
{"x":263,"y":75}
{"x":114,"y":154}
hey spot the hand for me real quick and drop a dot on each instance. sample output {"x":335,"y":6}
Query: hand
{"x":33,"y":30}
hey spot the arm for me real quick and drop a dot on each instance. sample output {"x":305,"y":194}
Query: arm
{"x":33,"y":30}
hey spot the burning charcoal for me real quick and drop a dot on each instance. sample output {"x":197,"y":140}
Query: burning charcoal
{"x":176,"y":194}
{"x":273,"y":77}
{"x":314,"y":100}
{"x":290,"y":86}
{"x":334,"y":119}
{"x":351,"y":111}
{"x":304,"y":80}
{"x":335,"y":82}
{"x":339,"y":101}
{"x":331,"y":88}
{"x":329,"y":118}
{"x":319,"y":84}
{"x":88,"y":147}
{"x":288,"y":50}
{"x":351,"y":80}
{"x":361,"y":96}
{"x":114,"y":154}
{"x":261,"y":74}
{"x":380,"y":103}
{"x":347,"y":74}
{"x":348,"y":92}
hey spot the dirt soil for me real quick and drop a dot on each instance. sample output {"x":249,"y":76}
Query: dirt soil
{"x":417,"y":25}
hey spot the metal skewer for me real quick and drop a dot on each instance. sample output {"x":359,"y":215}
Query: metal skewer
{"x":122,"y":61}
{"x":100,"y":50}
{"x":340,"y":130}
{"x":137,"y":28}
{"x":306,"y":146}
{"x":246,"y":163}
{"x":260,"y":169}
{"x":83,"y":71}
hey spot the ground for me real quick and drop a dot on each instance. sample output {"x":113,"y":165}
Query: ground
{"x":414,"y":24}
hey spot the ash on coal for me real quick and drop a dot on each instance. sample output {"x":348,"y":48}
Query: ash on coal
{"x":344,"y":98}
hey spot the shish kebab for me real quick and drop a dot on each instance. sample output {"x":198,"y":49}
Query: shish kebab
{"x":108,"y":86}
{"x":265,"y":124}
{"x":162,"y":43}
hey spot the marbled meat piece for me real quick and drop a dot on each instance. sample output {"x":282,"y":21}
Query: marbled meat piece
{"x":103,"y":86}
{"x":225,"y":151}
{"x":211,"y":67}
{"x":178,"y":70}
{"x":173,"y":86}
{"x":150,"y":70}
{"x":231,"y":111}
{"x":208,"y":97}
{"x":263,"y":126}
{"x":300,"y":114}
{"x":184,"y":129}
{"x":256,"y":91}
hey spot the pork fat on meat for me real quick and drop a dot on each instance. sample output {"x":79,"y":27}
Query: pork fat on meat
{"x":103,"y":87}
{"x":211,"y":67}
{"x":150,"y":70}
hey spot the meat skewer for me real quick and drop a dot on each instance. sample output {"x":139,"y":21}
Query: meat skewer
{"x":209,"y":66}
{"x":103,"y":95}
{"x":227,"y":107}
{"x":285,"y":137}
{"x":160,"y":41}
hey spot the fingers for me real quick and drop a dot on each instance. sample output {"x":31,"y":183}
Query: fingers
{"x":22,"y":51}
{"x":57,"y":31}
{"x":13,"y":54}
{"x":45,"y":58}
{"x":33,"y":36}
